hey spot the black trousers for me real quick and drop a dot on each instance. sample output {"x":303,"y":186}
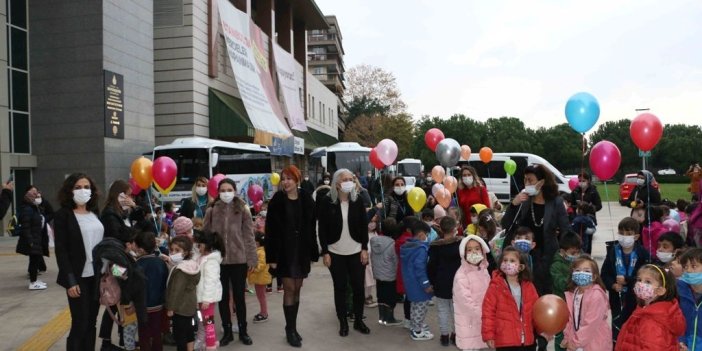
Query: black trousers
{"x":84,"y":311}
{"x":387,"y":292}
{"x":35,"y":262}
{"x":347,"y":269}
{"x":106,"y":324}
{"x":234,"y":274}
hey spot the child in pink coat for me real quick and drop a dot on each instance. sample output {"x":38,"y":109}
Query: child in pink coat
{"x":650,"y":234}
{"x":469,"y":286}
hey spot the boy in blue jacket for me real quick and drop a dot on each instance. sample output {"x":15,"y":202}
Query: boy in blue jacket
{"x":414,"y":254}
{"x":689,"y":292}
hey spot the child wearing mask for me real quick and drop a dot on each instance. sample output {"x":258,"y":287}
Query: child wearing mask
{"x":524,"y":242}
{"x":561,"y":270}
{"x":181,"y":292}
{"x":428,"y":218}
{"x":455,"y":213}
{"x":156,"y":273}
{"x":469,"y":287}
{"x":668,"y":243}
{"x":209,"y":288}
{"x":413,"y":255}
{"x":260,"y":277}
{"x":651,"y":232}
{"x":623,"y":260}
{"x":406,"y":234}
{"x":689,"y":287}
{"x":472,"y":226}
{"x":585,"y":225}
{"x":657,"y":323}
{"x":384,"y":264}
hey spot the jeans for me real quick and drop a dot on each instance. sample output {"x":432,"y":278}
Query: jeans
{"x":346,"y":269}
{"x":84,"y":311}
{"x":445,"y":309}
{"x":418,"y":312}
{"x":234,"y":274}
{"x":150,"y":334}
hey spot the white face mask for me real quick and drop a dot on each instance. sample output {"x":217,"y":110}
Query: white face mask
{"x":348,"y":186}
{"x":626,"y":241}
{"x":640,"y":181}
{"x":474,"y":219}
{"x":201,"y":190}
{"x":468,"y":181}
{"x":81,"y":196}
{"x":399,"y":190}
{"x":583,"y":185}
{"x":263,"y":213}
{"x":665,"y":257}
{"x":226,"y":196}
{"x":474,"y":258}
{"x":307,"y":179}
{"x":37,"y":201}
{"x":531,"y":190}
{"x":326,"y":182}
{"x":429,"y":179}
{"x":177,"y":258}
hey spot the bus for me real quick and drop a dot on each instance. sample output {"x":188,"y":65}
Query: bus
{"x":244,"y":163}
{"x":409,"y":169}
{"x":348,"y":155}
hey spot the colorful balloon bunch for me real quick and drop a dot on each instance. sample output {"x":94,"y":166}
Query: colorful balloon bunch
{"x":383,"y":154}
{"x":162,"y":173}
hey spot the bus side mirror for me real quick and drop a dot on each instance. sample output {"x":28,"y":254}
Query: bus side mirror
{"x":214,"y":159}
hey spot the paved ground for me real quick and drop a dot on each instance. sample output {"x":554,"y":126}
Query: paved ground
{"x":38,"y":320}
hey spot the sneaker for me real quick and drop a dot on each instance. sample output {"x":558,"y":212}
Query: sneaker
{"x":421,"y":335}
{"x":250,"y":291}
{"x":431,"y":302}
{"x":280,"y":289}
{"x":41,"y":282}
{"x":37,"y":285}
{"x":259,"y":318}
{"x":370,"y":302}
{"x":269,"y":289}
{"x":235,"y":328}
{"x":407,"y":324}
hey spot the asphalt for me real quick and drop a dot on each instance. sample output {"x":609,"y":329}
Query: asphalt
{"x":39,"y":320}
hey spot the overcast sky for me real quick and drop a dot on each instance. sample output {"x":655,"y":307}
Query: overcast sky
{"x":525,"y":58}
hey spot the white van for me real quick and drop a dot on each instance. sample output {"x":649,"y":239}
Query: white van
{"x":409,"y":168}
{"x":499,"y":182}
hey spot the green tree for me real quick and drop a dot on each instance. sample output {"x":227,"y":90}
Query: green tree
{"x":368,"y":131}
{"x":562,"y":146}
{"x":618,"y":133}
{"x":507,"y":134}
{"x":678,"y":148}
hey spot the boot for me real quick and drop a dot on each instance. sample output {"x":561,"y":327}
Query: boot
{"x":292,"y":339}
{"x":360,"y":326}
{"x":343,"y":326}
{"x":382,"y":313}
{"x":390,"y":317}
{"x":297,"y":308}
{"x":227,"y":337}
{"x":243,"y":335}
{"x":290,"y":325}
{"x":444,"y":340}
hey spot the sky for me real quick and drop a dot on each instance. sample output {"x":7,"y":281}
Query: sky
{"x":526,"y":58}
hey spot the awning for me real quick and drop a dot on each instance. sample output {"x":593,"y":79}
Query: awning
{"x":229,"y":120}
{"x":315,"y":139}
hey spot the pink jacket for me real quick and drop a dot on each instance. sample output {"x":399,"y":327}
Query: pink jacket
{"x":469,"y":286}
{"x":594,"y":332}
{"x":653,"y":232}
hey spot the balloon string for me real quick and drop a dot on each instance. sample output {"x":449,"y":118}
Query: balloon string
{"x":609,"y":208}
{"x":582,"y":166}
{"x":648,"y":208}
{"x":153,"y":213}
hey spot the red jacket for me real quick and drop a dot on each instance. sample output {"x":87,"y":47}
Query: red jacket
{"x":468,"y":197}
{"x":401,"y":240}
{"x":502,"y":320}
{"x":654,"y":327}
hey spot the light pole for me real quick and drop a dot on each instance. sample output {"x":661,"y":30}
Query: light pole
{"x":643,"y":156}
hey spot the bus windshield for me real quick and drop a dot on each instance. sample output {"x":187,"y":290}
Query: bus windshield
{"x":191,"y":163}
{"x":409,"y":169}
{"x":233,"y":161}
{"x":354,"y":161}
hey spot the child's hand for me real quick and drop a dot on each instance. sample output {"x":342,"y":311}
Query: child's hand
{"x":682,"y":346}
{"x":429,"y":290}
{"x":617,"y":287}
{"x":564,"y":344}
{"x":169,"y":313}
{"x":621,"y":280}
{"x":491,"y":344}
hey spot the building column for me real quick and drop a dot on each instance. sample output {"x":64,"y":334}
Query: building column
{"x":264,"y":17}
{"x":283,"y":24}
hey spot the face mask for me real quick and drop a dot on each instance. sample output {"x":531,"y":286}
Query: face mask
{"x":37,"y":201}
{"x":531,"y":190}
{"x":570,"y":258}
{"x":429,"y":179}
{"x":644,"y":291}
{"x":372,"y":226}
{"x":665,"y":257}
{"x":177,"y":258}
{"x":582,"y":278}
{"x":474,"y":258}
{"x":399,"y":190}
{"x":347,"y":187}
{"x":201,"y":190}
{"x":307,"y":179}
{"x":583,"y":185}
{"x":692,"y":278}
{"x":326,"y":182}
{"x":509,"y":268}
{"x":81,"y":196}
{"x":640,"y":182}
{"x":468,"y":181}
{"x":474,"y":219}
{"x":132,"y":253}
{"x":226,"y":196}
{"x":522,"y":245}
{"x":263,"y":213}
{"x":626,"y":241}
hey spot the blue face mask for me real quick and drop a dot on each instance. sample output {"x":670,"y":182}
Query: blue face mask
{"x":570,"y":258}
{"x":522,"y":245}
{"x":692,"y":278}
{"x":582,"y":278}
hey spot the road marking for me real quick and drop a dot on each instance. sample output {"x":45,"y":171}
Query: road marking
{"x":47,"y":336}
{"x":9,"y":254}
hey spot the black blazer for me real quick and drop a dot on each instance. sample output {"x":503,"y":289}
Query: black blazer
{"x":5,"y":201}
{"x":69,"y":249}
{"x":115,"y":227}
{"x":330,"y":222}
{"x":277,"y":232}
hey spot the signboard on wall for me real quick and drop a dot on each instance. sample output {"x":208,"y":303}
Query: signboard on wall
{"x":114,"y":104}
{"x":299,"y":146}
{"x":292,"y":84}
{"x":283,"y":147}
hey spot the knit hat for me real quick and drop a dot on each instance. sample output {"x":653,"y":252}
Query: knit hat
{"x":182,"y":225}
{"x":439,"y":212}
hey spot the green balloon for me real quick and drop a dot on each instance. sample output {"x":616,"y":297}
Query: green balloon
{"x":510,"y":167}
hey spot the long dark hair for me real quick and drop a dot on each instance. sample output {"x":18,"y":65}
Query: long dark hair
{"x":65,"y":194}
{"x":549,"y":189}
{"x":524,"y":274}
{"x":392,"y":186}
{"x":211,"y":240}
{"x":118,"y":187}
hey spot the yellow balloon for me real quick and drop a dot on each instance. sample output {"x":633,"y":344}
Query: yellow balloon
{"x":167,"y":190}
{"x":417,"y":198}
{"x":275,"y":178}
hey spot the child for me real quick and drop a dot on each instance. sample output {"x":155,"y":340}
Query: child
{"x":624,"y":257}
{"x":181,"y":292}
{"x":406,"y":234}
{"x":584,"y":224}
{"x":209,"y":288}
{"x":507,"y":324}
{"x":413,"y":255}
{"x":156,"y":273}
{"x":260,"y":278}
{"x":444,"y":261}
{"x":472,"y":226}
{"x":587,"y":327}
{"x":650,"y":233}
{"x":657,"y":322}
{"x":384,"y":263}
{"x":524,"y":242}
{"x":373,"y":218}
{"x":455,"y":213}
{"x":668,"y":243}
{"x":561,"y":271}
{"x":260,"y":225}
{"x":469,"y":287}
{"x":428,"y":218}
{"x":674,"y":266}
{"x":689,"y":289}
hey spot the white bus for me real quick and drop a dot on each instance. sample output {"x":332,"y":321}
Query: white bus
{"x":201,"y":157}
{"x":409,"y":169}
{"x":343,"y":155}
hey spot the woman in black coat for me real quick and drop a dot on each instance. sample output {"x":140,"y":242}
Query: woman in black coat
{"x":34,"y":217}
{"x":291,"y":243}
{"x":343,"y":235}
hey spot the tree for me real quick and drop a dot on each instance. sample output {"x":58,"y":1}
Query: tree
{"x":365,"y":106}
{"x":366,"y":84}
{"x":363,"y":130}
{"x":562,"y":146}
{"x":368,"y":131}
{"x":618,"y":133}
{"x":679,"y":147}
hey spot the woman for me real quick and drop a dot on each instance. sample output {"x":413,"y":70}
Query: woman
{"x":291,"y":243}
{"x":229,"y":217}
{"x":644,"y":193}
{"x":471,"y":191}
{"x":395,"y":204}
{"x":195,"y":206}
{"x":34,"y":217}
{"x":585,"y":192}
{"x":77,"y":230}
{"x":343,"y":236}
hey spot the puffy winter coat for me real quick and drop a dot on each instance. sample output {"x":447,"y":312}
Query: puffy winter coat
{"x":383,"y":258}
{"x":414,"y":269}
{"x":233,"y":222}
{"x":260,"y":275}
{"x":33,"y":236}
{"x":469,"y":287}
{"x":655,"y":327}
{"x":209,"y":288}
{"x":692,"y":312}
{"x":444,"y":260}
{"x":560,"y":273}
{"x":401,"y":240}
{"x":181,"y":291}
{"x":650,"y":235}
{"x":503,"y":321}
{"x":594,"y":330}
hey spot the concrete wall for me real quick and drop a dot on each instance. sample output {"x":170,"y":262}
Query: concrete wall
{"x":326,"y":120}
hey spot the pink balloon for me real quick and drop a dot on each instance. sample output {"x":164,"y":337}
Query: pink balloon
{"x":213,"y":185}
{"x":672,"y":225}
{"x":432,"y":138}
{"x":573,"y":183}
{"x":435,"y":188}
{"x":387,"y":151}
{"x":135,"y":187}
{"x":255,"y":193}
{"x":605,"y":159}
{"x":257,"y":206}
{"x":164,"y":171}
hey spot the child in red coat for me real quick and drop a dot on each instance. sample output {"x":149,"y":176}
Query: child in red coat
{"x":508,"y":305}
{"x":657,"y":322}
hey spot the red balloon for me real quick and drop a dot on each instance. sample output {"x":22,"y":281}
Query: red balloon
{"x":605,"y":159}
{"x":164,"y":171}
{"x":550,"y":314}
{"x":433,"y":137}
{"x":573,"y":183}
{"x":646,"y":131}
{"x":374,"y":160}
{"x":255,"y":193}
{"x":213,"y":185}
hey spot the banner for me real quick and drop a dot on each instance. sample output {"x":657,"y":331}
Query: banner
{"x":293,"y":85}
{"x":251,"y":70}
{"x":282,"y":147}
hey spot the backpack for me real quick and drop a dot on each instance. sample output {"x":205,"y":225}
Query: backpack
{"x":110,"y":292}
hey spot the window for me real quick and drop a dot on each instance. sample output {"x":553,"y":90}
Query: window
{"x":18,"y":77}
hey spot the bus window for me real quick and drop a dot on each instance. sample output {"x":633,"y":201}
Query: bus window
{"x":354,"y":161}
{"x":191,"y":163}
{"x":243,"y":164}
{"x":409,"y":169}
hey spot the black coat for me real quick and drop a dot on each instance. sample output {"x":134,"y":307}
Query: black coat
{"x":645,"y":193}
{"x":5,"y":201}
{"x":69,"y":249}
{"x":33,"y":234}
{"x":590,"y":195}
{"x":330,"y":222}
{"x":115,"y":226}
{"x":444,"y":261}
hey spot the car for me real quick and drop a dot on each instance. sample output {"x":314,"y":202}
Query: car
{"x":628,"y":184}
{"x":667,"y":171}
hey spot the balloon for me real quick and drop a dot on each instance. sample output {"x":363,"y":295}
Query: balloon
{"x":486,"y":154}
{"x":550,"y":314}
{"x":465,"y":152}
{"x":605,"y":159}
{"x":646,"y":131}
{"x":435,"y":188}
{"x":582,"y":111}
{"x":672,"y":225}
{"x":443,"y":197}
{"x":438,"y":174}
{"x":417,"y":198}
{"x":275,"y":179}
{"x":255,"y":193}
{"x":450,"y":183}
{"x":387,"y":151}
{"x":135,"y":187}
{"x":374,"y":160}
{"x":141,"y":172}
{"x":164,"y":171}
{"x":510,"y":167}
{"x":213,"y":185}
{"x":257,"y":206}
{"x":167,"y":189}
{"x":432,"y":138}
{"x":573,"y":183}
{"x":448,"y":152}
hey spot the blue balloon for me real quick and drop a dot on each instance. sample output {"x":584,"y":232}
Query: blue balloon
{"x":582,"y":112}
